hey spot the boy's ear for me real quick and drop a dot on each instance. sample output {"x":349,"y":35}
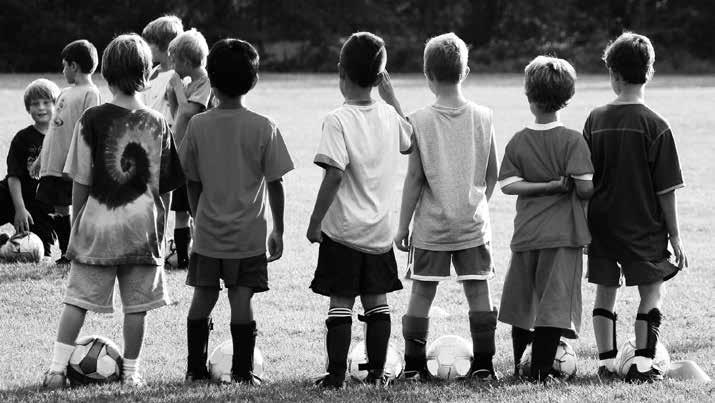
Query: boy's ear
{"x":75,"y":66}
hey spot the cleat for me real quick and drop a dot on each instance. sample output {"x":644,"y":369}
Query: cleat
{"x":417,"y":375}
{"x":134,"y":381}
{"x":377,"y":379}
{"x":62,"y":261}
{"x":483,"y":375}
{"x":605,"y":374}
{"x":251,"y":379}
{"x":330,"y":381}
{"x":54,"y":380}
{"x":652,"y":375}
{"x":196,"y":376}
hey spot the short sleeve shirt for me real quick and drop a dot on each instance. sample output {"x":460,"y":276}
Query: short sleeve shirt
{"x":127,"y":158}
{"x":233,"y":153}
{"x":155,"y":96}
{"x":71,"y":104}
{"x":635,"y":160}
{"x":453,"y":145}
{"x":24,"y":150}
{"x":365,"y":143}
{"x":542,"y":153}
{"x":199,"y":92}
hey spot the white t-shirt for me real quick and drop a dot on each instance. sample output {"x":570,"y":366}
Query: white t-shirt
{"x":155,"y":95}
{"x":364,"y":142}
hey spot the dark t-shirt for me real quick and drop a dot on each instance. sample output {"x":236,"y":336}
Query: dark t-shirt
{"x":635,"y":160}
{"x":24,"y":150}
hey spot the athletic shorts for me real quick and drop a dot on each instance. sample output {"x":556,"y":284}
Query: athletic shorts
{"x":469,"y":264}
{"x":55,"y":191}
{"x":347,"y":272}
{"x":141,"y":287}
{"x":609,"y":271}
{"x":250,"y":272}
{"x":180,"y":199}
{"x":543,"y":288}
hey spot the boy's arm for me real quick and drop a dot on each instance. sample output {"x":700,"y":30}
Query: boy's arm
{"x":194,"y":190}
{"x":410,"y":195}
{"x":80,"y":194}
{"x":183,"y":114}
{"x":276,"y":198}
{"x":524,"y":188}
{"x":23,"y":218}
{"x":387,"y":93}
{"x":492,"y":171}
{"x":584,"y":188}
{"x":326,"y":194}
{"x":670,"y":214}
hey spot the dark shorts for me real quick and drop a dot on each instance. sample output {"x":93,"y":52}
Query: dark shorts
{"x":250,"y":272}
{"x":469,"y":264}
{"x":608,"y":271}
{"x":55,"y":191}
{"x":347,"y":272}
{"x":180,"y":199}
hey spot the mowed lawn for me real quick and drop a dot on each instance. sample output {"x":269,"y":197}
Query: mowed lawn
{"x":291,"y":318}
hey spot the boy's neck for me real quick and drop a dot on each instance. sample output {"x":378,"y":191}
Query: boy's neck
{"x":449,"y":95}
{"x":355,"y":94}
{"x":230,"y":102}
{"x":542,"y":118}
{"x":127,"y":101}
{"x":42,"y":127}
{"x":83,"y":79}
{"x":198,"y":73}
{"x":631,"y":94}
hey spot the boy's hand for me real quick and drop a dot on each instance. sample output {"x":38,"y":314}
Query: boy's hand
{"x":23,"y":220}
{"x":314,"y":233}
{"x":402,"y":240}
{"x":562,"y":185}
{"x":175,"y":82}
{"x":275,"y":246}
{"x":385,"y":89}
{"x":679,"y":251}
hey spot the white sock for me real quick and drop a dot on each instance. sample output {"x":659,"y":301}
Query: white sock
{"x":609,"y":363}
{"x":130,"y":367}
{"x":60,"y":357}
{"x":644,"y":364}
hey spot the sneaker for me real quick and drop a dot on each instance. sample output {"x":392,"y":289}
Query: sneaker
{"x":330,"y":381}
{"x":134,"y":381}
{"x":195,"y":376}
{"x":483,"y":375}
{"x":417,"y":375}
{"x":652,"y":375}
{"x":377,"y":379}
{"x":54,"y":380}
{"x":605,"y":374}
{"x":62,"y":261}
{"x":251,"y":379}
{"x":551,"y":379}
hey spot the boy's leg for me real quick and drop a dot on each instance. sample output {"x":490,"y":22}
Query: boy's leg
{"x":43,"y":225}
{"x":198,"y":327}
{"x":647,"y":328}
{"x":546,"y":342}
{"x":415,"y":327}
{"x":133,"y":340}
{"x":337,"y":340}
{"x":63,"y":227}
{"x":243,"y":334}
{"x":482,"y":325}
{"x":182,"y":238}
{"x":604,"y":328}
{"x":520,"y":339}
{"x":71,"y":322}
{"x":377,"y":334}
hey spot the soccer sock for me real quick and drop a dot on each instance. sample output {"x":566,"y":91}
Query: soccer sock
{"x":414,"y":331}
{"x":377,"y":336}
{"x":63,"y":227}
{"x":543,"y":351}
{"x":607,"y":358}
{"x":182,"y":237}
{"x":60,"y":357}
{"x":337,"y":340}
{"x":482,"y":325}
{"x":197,"y":340}
{"x":244,"y":342}
{"x":644,"y":356}
{"x":129,"y":367}
{"x":520,"y":339}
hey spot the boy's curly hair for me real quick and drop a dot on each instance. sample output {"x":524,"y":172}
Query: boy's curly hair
{"x":549,"y":83}
{"x":445,"y":58}
{"x":632,"y":57}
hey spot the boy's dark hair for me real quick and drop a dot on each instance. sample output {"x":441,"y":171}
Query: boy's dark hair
{"x":445,"y":58}
{"x":162,"y":31}
{"x":363,"y":58}
{"x":41,"y":88}
{"x":126,"y":63}
{"x":549,"y":83}
{"x":232,"y":66}
{"x":632,"y":56}
{"x":83,"y":53}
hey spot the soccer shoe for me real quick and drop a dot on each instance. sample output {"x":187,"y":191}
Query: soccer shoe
{"x":195,"y":376}
{"x":133,"y":381}
{"x":54,"y":380}
{"x":330,"y":381}
{"x":417,"y":375}
{"x":377,"y":379}
{"x":650,"y":376}
{"x":484,"y":375}
{"x":605,"y":374}
{"x":62,"y":261}
{"x":251,"y":379}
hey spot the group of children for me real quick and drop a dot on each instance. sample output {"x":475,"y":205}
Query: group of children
{"x":182,"y":128}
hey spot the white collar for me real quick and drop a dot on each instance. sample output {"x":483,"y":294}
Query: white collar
{"x":544,"y":126}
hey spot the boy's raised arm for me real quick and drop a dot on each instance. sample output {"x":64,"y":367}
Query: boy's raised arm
{"x":326,"y":195}
{"x":276,"y":198}
{"x":387,"y":93}
{"x":410,"y":195}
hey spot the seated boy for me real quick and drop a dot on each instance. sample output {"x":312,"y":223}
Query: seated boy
{"x":18,"y":204}
{"x":632,"y":214}
{"x":449,"y":181}
{"x":542,"y":163}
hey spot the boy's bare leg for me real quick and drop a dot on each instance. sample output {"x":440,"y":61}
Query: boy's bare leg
{"x":203,"y":302}
{"x":243,"y":335}
{"x":421,"y":298}
{"x":604,"y":326}
{"x":133,"y":334}
{"x":478,"y":295}
{"x":71,"y":322}
{"x":482,"y":324}
{"x":240,"y":300}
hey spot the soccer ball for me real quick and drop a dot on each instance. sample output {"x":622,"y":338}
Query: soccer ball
{"x":357,"y":360}
{"x":22,"y":247}
{"x":95,"y":359}
{"x":221,"y":361}
{"x":564,"y":360}
{"x":449,"y":357}
{"x":627,"y":352}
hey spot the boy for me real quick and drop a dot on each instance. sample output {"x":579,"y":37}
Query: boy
{"x":18,"y":204}
{"x":448,"y":184}
{"x":633,"y":213}
{"x":188,"y":55}
{"x":351,"y":219}
{"x":230,"y":242}
{"x":79,"y":60}
{"x":542,"y":289}
{"x":123,"y":163}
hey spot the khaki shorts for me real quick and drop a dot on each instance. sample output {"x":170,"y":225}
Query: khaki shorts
{"x":469,"y":264}
{"x":91,"y":287}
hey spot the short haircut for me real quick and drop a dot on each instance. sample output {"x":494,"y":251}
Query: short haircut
{"x":445,"y":58}
{"x":232,"y":66}
{"x":632,"y":56}
{"x":41,"y":88}
{"x":363,"y":58}
{"x":162,"y":31}
{"x":83,"y":53}
{"x":549,"y":83}
{"x":190,"y":46}
{"x":126,"y":63}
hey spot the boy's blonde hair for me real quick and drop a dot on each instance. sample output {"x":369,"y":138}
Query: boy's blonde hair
{"x":549,"y":83}
{"x":126,"y":63}
{"x":162,"y":31}
{"x":445,"y":58}
{"x":41,"y":88}
{"x":190,"y":46}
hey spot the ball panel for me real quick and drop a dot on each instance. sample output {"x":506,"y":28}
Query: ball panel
{"x":449,"y":357}
{"x":221,"y":361}
{"x":95,"y":359}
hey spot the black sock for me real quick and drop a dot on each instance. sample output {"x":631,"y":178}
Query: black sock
{"x":520,"y":339}
{"x":182,"y":237}
{"x":414,"y":331}
{"x":197,"y":338}
{"x":337,"y":342}
{"x":543,"y":351}
{"x":377,"y":337}
{"x":63,"y":227}
{"x":243,"y":336}
{"x":653,"y":318}
{"x":482,"y":326}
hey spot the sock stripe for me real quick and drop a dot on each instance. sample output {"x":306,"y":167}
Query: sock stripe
{"x":340,"y":313}
{"x":377,"y":310}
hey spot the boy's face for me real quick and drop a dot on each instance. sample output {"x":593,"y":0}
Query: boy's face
{"x":41,"y":110}
{"x":69,"y":70}
{"x":181,"y":66}
{"x":157,"y":55}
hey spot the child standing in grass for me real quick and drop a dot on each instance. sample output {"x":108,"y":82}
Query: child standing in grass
{"x":351,"y":220}
{"x":232,"y":156}
{"x":79,"y":60}
{"x":123,"y":162}
{"x":18,"y":202}
{"x":542,"y":163}
{"x":633,"y":213}
{"x":448,"y":185}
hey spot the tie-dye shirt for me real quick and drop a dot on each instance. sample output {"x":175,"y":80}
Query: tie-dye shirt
{"x":128,"y":160}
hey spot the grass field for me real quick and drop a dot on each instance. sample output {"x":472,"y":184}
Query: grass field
{"x":290,"y":317}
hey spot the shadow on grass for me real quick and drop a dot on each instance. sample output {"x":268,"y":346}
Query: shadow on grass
{"x":12,"y":272}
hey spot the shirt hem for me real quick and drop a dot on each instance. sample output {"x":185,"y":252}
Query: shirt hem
{"x":322,"y":160}
{"x":442,"y":247}
{"x":233,"y":255}
{"x":372,"y":251}
{"x":103,"y":261}
{"x":550,"y":245}
{"x":670,"y":189}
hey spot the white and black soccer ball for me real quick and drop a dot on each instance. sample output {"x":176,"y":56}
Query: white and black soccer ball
{"x":95,"y":359}
{"x":357,"y":362}
{"x":221,"y":361}
{"x":449,"y":357}
{"x":22,"y":247}
{"x":565,"y":360}
{"x":627,"y":352}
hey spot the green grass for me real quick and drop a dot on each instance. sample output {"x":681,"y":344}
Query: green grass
{"x":290,"y":317}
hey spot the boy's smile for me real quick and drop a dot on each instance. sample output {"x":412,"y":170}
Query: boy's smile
{"x":41,"y":110}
